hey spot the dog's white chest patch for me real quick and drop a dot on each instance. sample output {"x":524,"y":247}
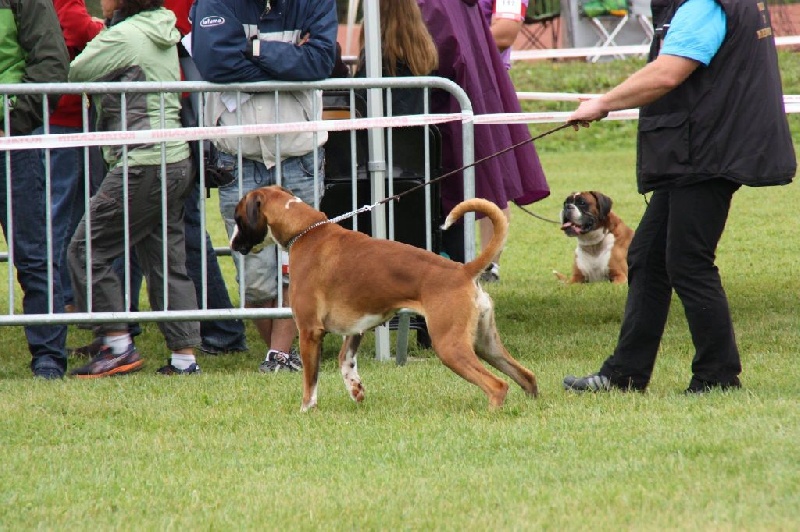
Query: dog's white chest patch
{"x":592,"y":260}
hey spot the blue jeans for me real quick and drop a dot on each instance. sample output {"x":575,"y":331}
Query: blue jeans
{"x":221,"y":334}
{"x":297,"y":175}
{"x":66,"y":197}
{"x":45,"y":342}
{"x":226,"y":335}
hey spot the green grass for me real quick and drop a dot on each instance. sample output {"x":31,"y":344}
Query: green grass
{"x":229,"y":449}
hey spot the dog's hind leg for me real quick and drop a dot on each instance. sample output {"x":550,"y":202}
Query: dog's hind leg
{"x":310,"y":344}
{"x":490,"y":348}
{"x":349,"y":367}
{"x":455,"y":352}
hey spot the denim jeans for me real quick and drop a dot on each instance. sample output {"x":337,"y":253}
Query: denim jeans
{"x":45,"y":342}
{"x":66,"y":200}
{"x":297,"y":175}
{"x":220,"y":334}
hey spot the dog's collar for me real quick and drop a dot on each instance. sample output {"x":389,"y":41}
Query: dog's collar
{"x":296,"y":237}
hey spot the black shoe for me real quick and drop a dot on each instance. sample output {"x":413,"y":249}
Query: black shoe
{"x":106,"y":363}
{"x":87,"y":351}
{"x":48,"y":373}
{"x":169,"y":369}
{"x":590,"y":383}
{"x":698,"y":386}
{"x":208,"y":349}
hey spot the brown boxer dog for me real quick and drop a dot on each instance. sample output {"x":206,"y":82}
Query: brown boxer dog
{"x":346,"y":282}
{"x":603,"y":239}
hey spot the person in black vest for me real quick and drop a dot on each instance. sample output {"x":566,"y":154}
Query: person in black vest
{"x":712,"y":119}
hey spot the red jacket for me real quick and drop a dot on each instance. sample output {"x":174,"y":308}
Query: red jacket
{"x":78,"y":29}
{"x":181,"y":10}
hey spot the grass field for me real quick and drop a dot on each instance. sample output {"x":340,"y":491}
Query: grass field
{"x":229,"y":449}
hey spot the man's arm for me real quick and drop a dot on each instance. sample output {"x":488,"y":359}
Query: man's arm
{"x":645,"y":86}
{"x":223,"y":52}
{"x":219,"y":44}
{"x":695,"y":35}
{"x":40,"y":36}
{"x":313,"y":59}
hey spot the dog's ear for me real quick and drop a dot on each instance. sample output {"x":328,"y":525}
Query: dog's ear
{"x":603,"y":203}
{"x":253,"y":210}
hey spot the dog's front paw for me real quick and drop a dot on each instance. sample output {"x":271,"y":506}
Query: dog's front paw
{"x":357,"y":391}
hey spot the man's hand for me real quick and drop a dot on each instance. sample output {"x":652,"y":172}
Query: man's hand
{"x":588,"y":111}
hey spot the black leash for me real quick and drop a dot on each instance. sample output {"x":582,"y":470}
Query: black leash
{"x":397,"y":197}
{"x":448,"y":174}
{"x":540,"y":217}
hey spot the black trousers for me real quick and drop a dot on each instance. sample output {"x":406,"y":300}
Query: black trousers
{"x":675,"y":248}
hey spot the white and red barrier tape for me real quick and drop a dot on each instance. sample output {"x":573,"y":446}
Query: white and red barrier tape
{"x":116,"y":138}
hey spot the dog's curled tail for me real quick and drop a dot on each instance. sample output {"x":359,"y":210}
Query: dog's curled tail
{"x":499,"y":223}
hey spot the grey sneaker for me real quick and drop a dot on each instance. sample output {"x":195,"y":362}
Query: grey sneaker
{"x":294,"y":361}
{"x":491,"y":274}
{"x":590,"y":383}
{"x":279,"y":361}
{"x":106,"y":363}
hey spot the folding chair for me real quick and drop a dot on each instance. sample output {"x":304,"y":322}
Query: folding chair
{"x":640,"y":10}
{"x":607,"y":18}
{"x":542,"y":18}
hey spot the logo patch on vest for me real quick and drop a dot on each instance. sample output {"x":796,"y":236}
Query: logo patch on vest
{"x":209,"y":22}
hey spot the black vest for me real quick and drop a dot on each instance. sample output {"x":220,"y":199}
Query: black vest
{"x":727,"y":119}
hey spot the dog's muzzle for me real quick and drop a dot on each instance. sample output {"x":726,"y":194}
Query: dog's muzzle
{"x":242,"y":244}
{"x":575,"y":222}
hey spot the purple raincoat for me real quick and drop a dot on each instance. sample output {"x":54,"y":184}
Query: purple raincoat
{"x":469,"y":57}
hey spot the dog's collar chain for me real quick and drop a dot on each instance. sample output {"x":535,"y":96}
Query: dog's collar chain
{"x":335,"y":220}
{"x":296,"y":237}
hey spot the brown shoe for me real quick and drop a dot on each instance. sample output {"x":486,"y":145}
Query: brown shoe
{"x":107,"y":363}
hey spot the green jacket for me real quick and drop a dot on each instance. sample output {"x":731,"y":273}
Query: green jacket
{"x":32,"y":50}
{"x":139,"y":48}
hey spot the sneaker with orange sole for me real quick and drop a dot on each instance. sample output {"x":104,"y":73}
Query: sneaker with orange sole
{"x":106,"y":364}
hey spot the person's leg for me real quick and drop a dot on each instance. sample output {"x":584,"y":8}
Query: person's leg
{"x":106,"y":213}
{"x":297,"y":174}
{"x":699,"y":214}
{"x":219,"y":336}
{"x":646,"y":307}
{"x":256,"y":271}
{"x":45,"y":342}
{"x":66,"y":185}
{"x":147,"y":234}
{"x":130,"y":294}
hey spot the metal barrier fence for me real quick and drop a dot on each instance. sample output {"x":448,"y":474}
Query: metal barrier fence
{"x":377,"y":169}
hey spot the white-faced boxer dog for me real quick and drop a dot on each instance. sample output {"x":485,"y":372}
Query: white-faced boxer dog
{"x":603,"y":239}
{"x":346,"y":282}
